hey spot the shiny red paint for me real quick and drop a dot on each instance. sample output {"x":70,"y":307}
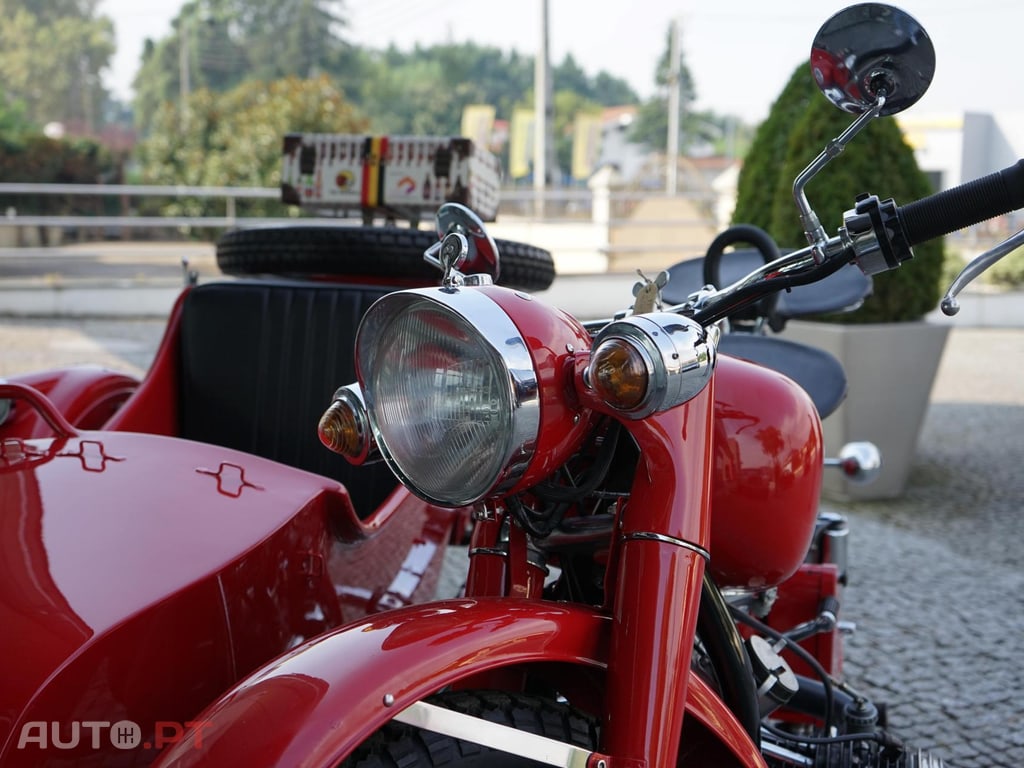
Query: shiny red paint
{"x":153,"y":408}
{"x":315,"y":704}
{"x":200,"y":564}
{"x":767,"y":475}
{"x":553,"y":337}
{"x":85,"y":395}
{"x":658,"y":582}
{"x":144,"y":575}
{"x":799,"y":600}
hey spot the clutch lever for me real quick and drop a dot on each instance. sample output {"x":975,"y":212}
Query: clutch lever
{"x":949,"y":304}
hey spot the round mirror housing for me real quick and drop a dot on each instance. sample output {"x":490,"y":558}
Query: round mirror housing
{"x":483,"y":255}
{"x":869,"y":51}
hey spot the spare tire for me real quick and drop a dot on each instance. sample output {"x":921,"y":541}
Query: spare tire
{"x":388,"y":254}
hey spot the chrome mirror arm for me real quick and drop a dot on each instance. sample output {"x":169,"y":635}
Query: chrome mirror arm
{"x":949,"y":304}
{"x":813,"y":230}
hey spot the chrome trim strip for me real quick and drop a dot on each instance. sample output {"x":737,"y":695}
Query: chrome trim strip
{"x":662,"y":538}
{"x":501,"y":737}
{"x":788,"y":756}
{"x":488,"y":551}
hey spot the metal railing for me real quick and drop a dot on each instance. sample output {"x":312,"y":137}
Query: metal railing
{"x":230,"y":194}
{"x":568,"y":204}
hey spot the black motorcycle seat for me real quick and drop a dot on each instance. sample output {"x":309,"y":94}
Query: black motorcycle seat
{"x":819,"y":373}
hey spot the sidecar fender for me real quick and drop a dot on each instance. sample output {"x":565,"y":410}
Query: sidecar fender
{"x":313,"y":705}
{"x":86,"y":395}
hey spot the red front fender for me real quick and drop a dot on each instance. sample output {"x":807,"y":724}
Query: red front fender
{"x":315,"y":704}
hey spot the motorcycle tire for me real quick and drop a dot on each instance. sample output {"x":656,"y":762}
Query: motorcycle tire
{"x":402,"y":745}
{"x":384,"y":253}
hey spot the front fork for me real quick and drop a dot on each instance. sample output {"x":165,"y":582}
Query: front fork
{"x":658,"y":567}
{"x":655,"y":574}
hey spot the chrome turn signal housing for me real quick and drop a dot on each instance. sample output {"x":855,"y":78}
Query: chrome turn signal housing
{"x":648,"y":363}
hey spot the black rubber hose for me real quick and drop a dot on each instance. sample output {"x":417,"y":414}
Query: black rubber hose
{"x":728,"y":656}
{"x":962,"y":206}
{"x":811,"y":699}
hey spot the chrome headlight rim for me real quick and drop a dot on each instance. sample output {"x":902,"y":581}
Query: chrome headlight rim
{"x":506,"y":348}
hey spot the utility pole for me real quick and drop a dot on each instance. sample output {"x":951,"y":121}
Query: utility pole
{"x":183,"y":72}
{"x":543,"y":112}
{"x":674,"y":86}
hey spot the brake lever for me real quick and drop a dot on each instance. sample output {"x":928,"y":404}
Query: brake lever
{"x":949,"y":304}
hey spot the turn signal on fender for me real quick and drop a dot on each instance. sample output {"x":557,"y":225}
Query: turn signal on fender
{"x":345,"y":428}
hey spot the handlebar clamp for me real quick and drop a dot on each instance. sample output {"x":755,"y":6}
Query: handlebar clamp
{"x":876,"y":234}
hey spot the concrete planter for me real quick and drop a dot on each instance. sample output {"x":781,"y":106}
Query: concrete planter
{"x":890,"y":368}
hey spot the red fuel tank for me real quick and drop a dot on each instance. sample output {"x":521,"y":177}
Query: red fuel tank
{"x":767,"y":475}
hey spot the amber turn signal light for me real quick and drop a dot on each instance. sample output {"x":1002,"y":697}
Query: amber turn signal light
{"x":619,"y":374}
{"x":344,"y":428}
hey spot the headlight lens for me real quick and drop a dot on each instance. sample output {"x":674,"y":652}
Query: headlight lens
{"x":451,"y":393}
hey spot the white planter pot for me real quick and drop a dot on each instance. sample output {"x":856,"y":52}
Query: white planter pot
{"x":890,"y":368}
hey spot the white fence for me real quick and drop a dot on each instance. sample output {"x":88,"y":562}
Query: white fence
{"x":585,"y":230}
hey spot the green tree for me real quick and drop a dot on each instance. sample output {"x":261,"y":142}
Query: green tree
{"x":762,"y":168}
{"x":218,"y":44}
{"x":235,"y":139}
{"x":291,"y":37}
{"x":51,"y":55}
{"x":14,"y":120}
{"x":33,"y":157}
{"x":877,"y":161}
{"x":426,"y":89}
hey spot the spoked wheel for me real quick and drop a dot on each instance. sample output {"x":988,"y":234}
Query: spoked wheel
{"x":375,"y":253}
{"x":402,"y":745}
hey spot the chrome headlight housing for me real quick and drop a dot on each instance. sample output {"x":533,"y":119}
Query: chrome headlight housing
{"x":451,"y":392}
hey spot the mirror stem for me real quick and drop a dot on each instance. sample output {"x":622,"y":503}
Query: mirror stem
{"x":813,"y":230}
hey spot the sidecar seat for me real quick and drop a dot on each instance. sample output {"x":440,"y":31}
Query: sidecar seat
{"x":260,"y":360}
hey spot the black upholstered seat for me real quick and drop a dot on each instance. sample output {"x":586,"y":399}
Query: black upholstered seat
{"x":259,"y":363}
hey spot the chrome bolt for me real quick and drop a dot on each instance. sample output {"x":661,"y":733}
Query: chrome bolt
{"x":389,"y":700}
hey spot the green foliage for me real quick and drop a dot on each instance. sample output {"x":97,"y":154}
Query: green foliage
{"x":878,"y":161}
{"x":425,"y":90}
{"x":234,"y":139}
{"x":41,"y":160}
{"x":218,"y":44}
{"x":14,"y":120}
{"x":1009,"y":271}
{"x":762,"y":166}
{"x":51,"y":54}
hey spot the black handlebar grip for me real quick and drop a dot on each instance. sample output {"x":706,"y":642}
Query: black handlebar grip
{"x":962,"y":206}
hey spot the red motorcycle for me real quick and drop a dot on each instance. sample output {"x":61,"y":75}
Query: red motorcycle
{"x":649,"y":582}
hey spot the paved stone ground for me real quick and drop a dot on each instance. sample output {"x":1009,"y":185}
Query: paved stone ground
{"x":937,"y":590}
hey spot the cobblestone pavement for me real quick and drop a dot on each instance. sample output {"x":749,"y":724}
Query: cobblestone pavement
{"x":937,"y":590}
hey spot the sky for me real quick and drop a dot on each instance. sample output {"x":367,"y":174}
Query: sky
{"x":740,"y":52}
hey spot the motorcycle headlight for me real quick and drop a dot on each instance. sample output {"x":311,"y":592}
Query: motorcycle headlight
{"x":451,"y":392}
